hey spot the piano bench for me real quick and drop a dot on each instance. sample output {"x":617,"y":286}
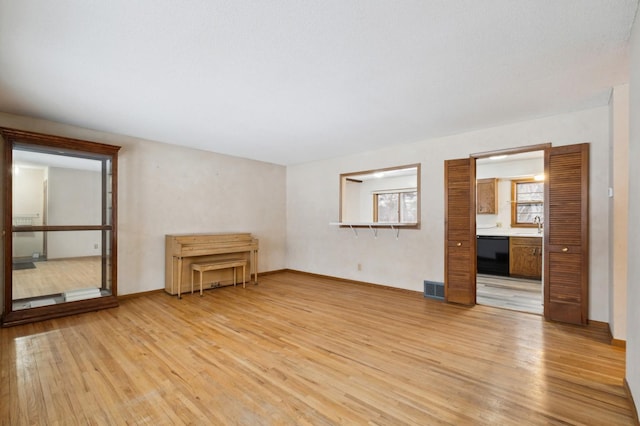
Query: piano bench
{"x":214,"y":266}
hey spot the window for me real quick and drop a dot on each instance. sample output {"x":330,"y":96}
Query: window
{"x":381,"y":197}
{"x":395,"y":207}
{"x":527,"y":203}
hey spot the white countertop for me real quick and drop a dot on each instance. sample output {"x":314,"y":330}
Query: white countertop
{"x":508,"y":232}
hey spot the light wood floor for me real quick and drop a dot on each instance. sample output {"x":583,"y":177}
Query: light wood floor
{"x":301,"y":350}
{"x":510,"y":293}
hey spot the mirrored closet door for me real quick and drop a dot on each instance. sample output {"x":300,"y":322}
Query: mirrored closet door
{"x":59,"y":226}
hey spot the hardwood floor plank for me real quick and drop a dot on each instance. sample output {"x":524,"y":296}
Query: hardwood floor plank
{"x":305,"y":350}
{"x":517,"y":294}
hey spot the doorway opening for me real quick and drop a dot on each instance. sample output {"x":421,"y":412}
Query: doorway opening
{"x":509,"y":231}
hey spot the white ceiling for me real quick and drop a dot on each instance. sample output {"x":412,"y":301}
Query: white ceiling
{"x":291,"y":81}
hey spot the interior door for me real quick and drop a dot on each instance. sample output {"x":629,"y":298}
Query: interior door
{"x":566,"y":251}
{"x":460,"y":225}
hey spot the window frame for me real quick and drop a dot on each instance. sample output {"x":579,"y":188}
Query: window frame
{"x":399,"y":193}
{"x":515,"y":203}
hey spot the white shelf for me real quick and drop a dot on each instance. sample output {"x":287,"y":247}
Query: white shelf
{"x":374,"y":226}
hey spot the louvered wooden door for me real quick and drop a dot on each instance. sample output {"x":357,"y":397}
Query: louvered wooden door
{"x":566,"y":252}
{"x":460,"y":225}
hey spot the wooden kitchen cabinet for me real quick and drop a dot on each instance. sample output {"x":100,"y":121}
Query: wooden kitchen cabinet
{"x":487,"y":196}
{"x":525,"y":257}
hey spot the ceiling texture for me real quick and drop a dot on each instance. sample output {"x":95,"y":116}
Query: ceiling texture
{"x":293,"y":81}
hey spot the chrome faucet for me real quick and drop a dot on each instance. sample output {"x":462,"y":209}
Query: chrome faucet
{"x":538,"y":220}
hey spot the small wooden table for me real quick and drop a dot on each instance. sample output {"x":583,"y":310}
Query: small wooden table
{"x":213,"y":266}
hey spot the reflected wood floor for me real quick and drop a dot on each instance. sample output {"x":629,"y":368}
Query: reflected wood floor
{"x":303,"y":350}
{"x":57,"y":276}
{"x":510,"y":293}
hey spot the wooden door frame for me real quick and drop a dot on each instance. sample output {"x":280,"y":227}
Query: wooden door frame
{"x":578,"y":306}
{"x":510,"y":151}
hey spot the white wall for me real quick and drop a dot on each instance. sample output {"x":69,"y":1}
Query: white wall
{"x":165,"y":189}
{"x":74,"y":198}
{"x":633,"y":286}
{"x":28,"y":200}
{"x":313,"y":192}
{"x":517,"y":169}
{"x":351,"y":202}
{"x":619,"y":207}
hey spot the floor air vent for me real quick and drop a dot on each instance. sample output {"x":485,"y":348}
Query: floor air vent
{"x":434,"y":290}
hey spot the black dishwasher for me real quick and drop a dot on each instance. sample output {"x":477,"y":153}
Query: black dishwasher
{"x":493,"y":255}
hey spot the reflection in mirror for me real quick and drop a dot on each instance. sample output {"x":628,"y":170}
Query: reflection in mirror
{"x":46,"y":279}
{"x":65,"y":191}
{"x":379,"y":197}
{"x":47,"y":189}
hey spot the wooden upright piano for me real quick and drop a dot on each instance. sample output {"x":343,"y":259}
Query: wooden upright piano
{"x":184,"y":249}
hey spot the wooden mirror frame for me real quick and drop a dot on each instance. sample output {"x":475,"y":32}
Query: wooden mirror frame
{"x":10,"y":139}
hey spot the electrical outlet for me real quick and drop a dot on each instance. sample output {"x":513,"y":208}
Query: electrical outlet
{"x":359,"y":266}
